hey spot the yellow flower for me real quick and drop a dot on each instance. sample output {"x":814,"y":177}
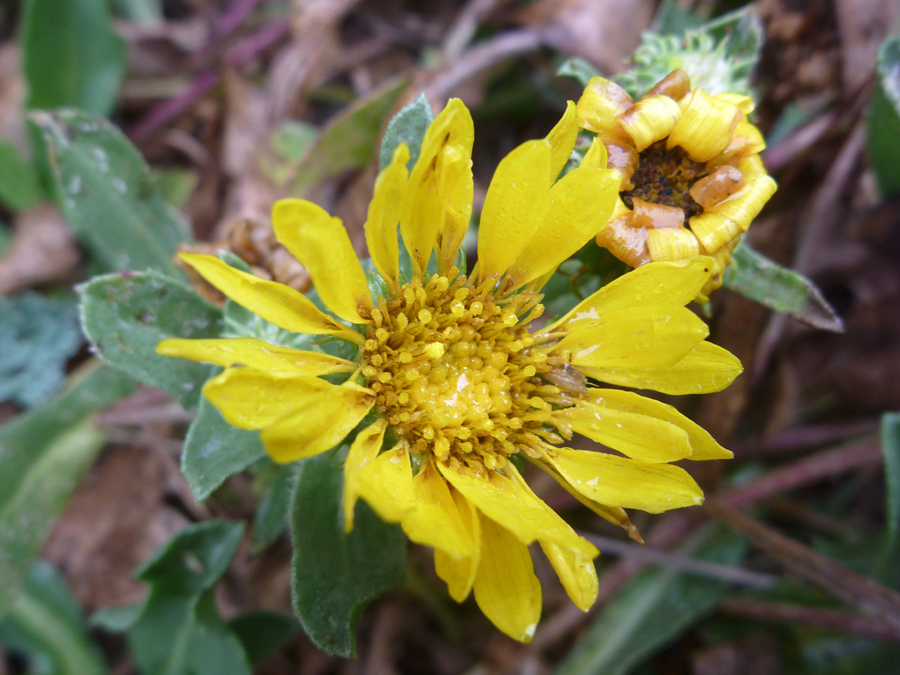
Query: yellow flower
{"x":682,"y":155}
{"x":458,"y":381}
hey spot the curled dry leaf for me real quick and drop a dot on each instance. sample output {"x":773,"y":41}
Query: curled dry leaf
{"x":43,"y":251}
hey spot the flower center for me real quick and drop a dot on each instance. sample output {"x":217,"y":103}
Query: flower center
{"x":456,"y":372}
{"x":665,"y":177}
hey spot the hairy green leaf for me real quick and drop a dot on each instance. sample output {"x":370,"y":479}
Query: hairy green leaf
{"x":20,"y":188}
{"x":46,"y":625}
{"x":781,"y":289}
{"x":71,"y":54}
{"x":43,"y":455}
{"x":407,"y":126}
{"x":349,"y":141}
{"x":335,"y":574}
{"x":107,"y":193}
{"x":179,"y":630}
{"x":215,"y":450}
{"x":126,"y":315}
{"x":883,"y":121}
{"x":39,"y":335}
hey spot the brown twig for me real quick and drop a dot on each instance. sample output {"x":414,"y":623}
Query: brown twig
{"x":842,"y":622}
{"x":803,"y":438}
{"x":806,"y":564}
{"x":805,"y":471}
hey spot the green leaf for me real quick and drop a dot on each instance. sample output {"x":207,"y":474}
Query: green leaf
{"x":890,"y":446}
{"x":652,"y":610}
{"x":672,"y":19}
{"x":272,"y":512}
{"x":126,"y":315}
{"x":781,"y":289}
{"x":883,"y":121}
{"x":43,"y":455}
{"x":407,"y":126}
{"x":578,"y":68}
{"x":71,"y":54}
{"x":349,"y":141}
{"x":215,"y":450}
{"x":39,"y":335}
{"x":45,"y":624}
{"x":176,"y":185}
{"x":116,"y":619}
{"x":180,"y":631}
{"x":263,"y":632}
{"x":107,"y":193}
{"x":20,"y":188}
{"x":335,"y":574}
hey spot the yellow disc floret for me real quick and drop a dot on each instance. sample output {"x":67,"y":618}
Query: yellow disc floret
{"x":456,"y":373}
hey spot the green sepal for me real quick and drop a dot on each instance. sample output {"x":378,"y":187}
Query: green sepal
{"x":334,"y":574}
{"x":125,"y":316}
{"x":107,"y":193}
{"x":781,"y":289}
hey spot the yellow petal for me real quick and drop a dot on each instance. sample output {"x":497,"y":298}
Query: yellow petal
{"x":713,"y":229}
{"x":642,"y":337}
{"x":662,"y":283}
{"x":386,"y":483}
{"x":613,"y":514}
{"x":318,"y":426}
{"x":384,"y":215}
{"x":255,"y":353}
{"x":706,"y":368}
{"x":597,"y":154}
{"x":577,"y":574}
{"x":562,"y":140}
{"x":436,"y":520}
{"x":703,"y":446}
{"x":455,"y":189}
{"x":580,"y":205}
{"x":747,"y":141}
{"x":675,"y":85}
{"x":253,"y":399}
{"x":650,"y":120}
{"x":364,"y":449}
{"x":718,"y":186}
{"x":672,"y":244}
{"x":517,"y":200}
{"x":641,"y":437}
{"x":278,"y":303}
{"x":510,"y":502}
{"x":600,"y":106}
{"x":459,"y":573}
{"x":744,"y":103}
{"x":423,"y":211}
{"x":321,"y":243}
{"x":743,"y":206}
{"x":506,"y":589}
{"x":706,"y":126}
{"x":623,"y":482}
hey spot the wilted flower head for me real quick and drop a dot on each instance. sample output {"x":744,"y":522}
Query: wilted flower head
{"x":454,"y":376}
{"x":692,"y":179}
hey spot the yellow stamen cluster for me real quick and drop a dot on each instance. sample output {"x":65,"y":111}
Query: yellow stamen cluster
{"x":457,"y":374}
